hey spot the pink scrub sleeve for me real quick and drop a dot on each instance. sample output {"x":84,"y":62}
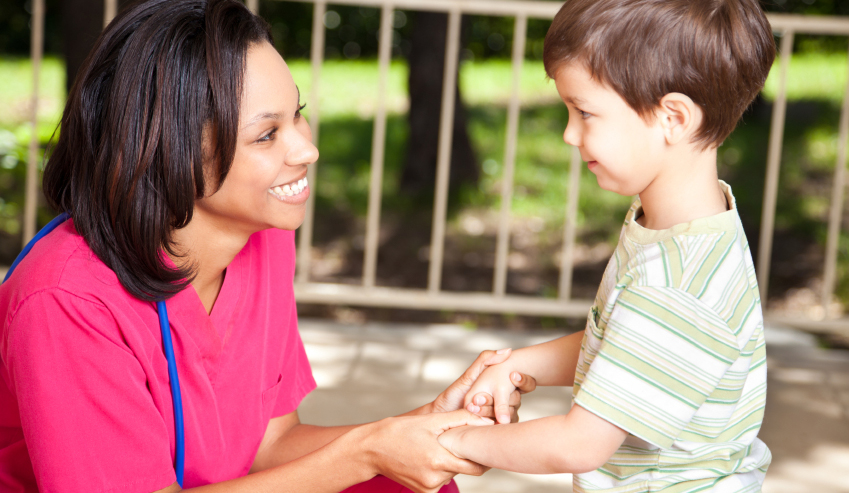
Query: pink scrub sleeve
{"x":76,"y":422}
{"x":85,"y":402}
{"x":296,"y":380}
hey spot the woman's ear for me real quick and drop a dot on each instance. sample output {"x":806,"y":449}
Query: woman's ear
{"x":679,"y":117}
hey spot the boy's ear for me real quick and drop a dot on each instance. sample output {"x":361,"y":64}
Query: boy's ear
{"x":679,"y":117}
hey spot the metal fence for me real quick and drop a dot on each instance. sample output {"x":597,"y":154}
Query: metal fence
{"x":497,"y":301}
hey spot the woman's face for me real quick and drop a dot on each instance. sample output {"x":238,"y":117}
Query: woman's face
{"x":266,"y":186}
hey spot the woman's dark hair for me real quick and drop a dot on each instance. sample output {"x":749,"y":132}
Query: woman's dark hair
{"x":151,"y":119}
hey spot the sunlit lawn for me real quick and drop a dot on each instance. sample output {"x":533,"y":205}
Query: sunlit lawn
{"x":815,"y":87}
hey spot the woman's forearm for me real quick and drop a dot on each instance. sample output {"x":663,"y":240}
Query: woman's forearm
{"x":308,"y":458}
{"x":298,"y":441}
{"x":331,"y":468}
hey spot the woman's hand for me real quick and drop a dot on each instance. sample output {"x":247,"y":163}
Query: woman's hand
{"x":405,"y":449}
{"x":453,"y":397}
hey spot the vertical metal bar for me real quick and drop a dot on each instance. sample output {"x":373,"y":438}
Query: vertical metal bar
{"x":443,"y":164}
{"x":835,"y":215}
{"x":378,"y":144}
{"x":253,"y":6}
{"x":110,"y":9}
{"x":773,"y":162}
{"x":576,"y":164}
{"x":316,"y":57}
{"x":36,"y":52}
{"x":503,"y":244}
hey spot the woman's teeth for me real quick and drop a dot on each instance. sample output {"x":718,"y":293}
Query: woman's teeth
{"x":291,"y":189}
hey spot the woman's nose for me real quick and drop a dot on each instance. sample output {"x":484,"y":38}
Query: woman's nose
{"x":301,"y":149}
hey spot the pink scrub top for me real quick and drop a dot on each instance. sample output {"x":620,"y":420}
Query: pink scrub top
{"x":85,"y":403}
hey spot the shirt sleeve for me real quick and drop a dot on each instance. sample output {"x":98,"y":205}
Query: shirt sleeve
{"x":88,"y":419}
{"x":662,"y":353}
{"x":297,"y":373}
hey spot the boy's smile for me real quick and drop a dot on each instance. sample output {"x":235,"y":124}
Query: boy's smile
{"x":619,"y":146}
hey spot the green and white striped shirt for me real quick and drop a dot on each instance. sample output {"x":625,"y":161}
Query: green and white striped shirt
{"x":674,"y":354}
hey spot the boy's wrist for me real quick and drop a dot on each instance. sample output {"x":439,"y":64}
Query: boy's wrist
{"x":519,"y":362}
{"x":452,"y":440}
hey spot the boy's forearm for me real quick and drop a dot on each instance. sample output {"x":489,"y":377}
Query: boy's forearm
{"x":550,"y":363}
{"x":540,"y":446}
{"x":575,"y":443}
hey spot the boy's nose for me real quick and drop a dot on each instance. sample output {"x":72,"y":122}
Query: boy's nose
{"x":571,"y":136}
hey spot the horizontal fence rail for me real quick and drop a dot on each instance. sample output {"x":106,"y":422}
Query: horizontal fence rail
{"x":497,"y":301}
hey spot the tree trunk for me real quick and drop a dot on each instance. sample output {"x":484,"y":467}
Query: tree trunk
{"x":427,"y":64}
{"x":82,"y":21}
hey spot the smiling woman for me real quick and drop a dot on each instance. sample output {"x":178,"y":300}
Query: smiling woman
{"x":182,"y":163}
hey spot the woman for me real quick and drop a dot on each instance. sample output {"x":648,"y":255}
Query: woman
{"x":182,"y":161}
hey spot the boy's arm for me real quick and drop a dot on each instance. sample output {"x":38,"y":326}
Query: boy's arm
{"x":549,"y":363}
{"x":575,"y":443}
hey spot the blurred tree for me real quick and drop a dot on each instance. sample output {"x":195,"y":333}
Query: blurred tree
{"x":82,"y":21}
{"x":352,"y":33}
{"x":15,"y":27}
{"x":427,"y":66}
{"x":291,"y":23}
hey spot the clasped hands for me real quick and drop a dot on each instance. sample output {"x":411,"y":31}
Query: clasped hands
{"x":408,"y":453}
{"x":493,"y":391}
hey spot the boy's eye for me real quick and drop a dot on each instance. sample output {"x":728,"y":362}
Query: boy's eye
{"x":300,"y":108}
{"x":584,"y":114}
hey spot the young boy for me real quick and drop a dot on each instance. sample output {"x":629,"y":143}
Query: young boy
{"x":669,"y":377}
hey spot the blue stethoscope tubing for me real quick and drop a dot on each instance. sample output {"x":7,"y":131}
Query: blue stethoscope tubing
{"x":167,"y":347}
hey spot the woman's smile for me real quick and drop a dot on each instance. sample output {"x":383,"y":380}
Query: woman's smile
{"x":295,"y":192}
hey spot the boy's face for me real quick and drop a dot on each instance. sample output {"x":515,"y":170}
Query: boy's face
{"x":619,"y":146}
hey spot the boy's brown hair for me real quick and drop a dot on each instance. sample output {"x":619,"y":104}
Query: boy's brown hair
{"x":717,"y":52}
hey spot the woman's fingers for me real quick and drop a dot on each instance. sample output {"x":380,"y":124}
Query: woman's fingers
{"x":460,"y":417}
{"x":453,"y":397}
{"x":467,"y":467}
{"x":406,"y":449}
{"x":485,"y":359}
{"x":497,"y":357}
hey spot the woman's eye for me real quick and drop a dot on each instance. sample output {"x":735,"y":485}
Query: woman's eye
{"x":300,"y":108}
{"x":268,"y":137}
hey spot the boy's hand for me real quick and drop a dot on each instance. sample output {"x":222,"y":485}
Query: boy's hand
{"x":482,"y":402}
{"x":453,"y":397}
{"x":493,"y":388}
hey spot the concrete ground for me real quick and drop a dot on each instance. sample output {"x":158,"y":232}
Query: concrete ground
{"x":367,"y":372}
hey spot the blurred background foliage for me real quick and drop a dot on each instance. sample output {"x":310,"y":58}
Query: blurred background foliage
{"x":291,"y":24}
{"x":816,"y":86}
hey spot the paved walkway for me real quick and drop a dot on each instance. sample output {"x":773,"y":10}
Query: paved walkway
{"x":368,"y":372}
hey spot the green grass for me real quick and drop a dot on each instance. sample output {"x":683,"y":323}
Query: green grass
{"x":349,"y":91}
{"x":812,"y":76}
{"x":349,"y":88}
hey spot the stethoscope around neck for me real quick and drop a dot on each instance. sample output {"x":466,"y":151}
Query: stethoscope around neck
{"x":167,"y":347}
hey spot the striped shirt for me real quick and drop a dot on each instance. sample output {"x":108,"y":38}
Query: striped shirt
{"x":674,"y":354}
